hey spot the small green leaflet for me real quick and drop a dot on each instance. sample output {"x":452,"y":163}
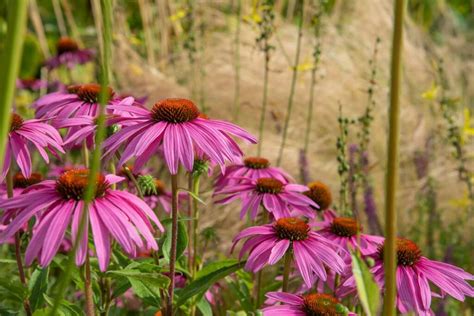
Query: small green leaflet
{"x":182,"y":239}
{"x":367,"y":289}
{"x":38,"y":285}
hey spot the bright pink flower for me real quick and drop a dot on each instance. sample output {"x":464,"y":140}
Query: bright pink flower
{"x":81,"y":129}
{"x":112,"y":213}
{"x":343,"y":231}
{"x":40,"y":134}
{"x":78,"y":101}
{"x":253,"y":168}
{"x":277,"y":197}
{"x":313,"y":304}
{"x":312,"y":253}
{"x":413,"y":275}
{"x":175,"y":125}
{"x":69,"y":54}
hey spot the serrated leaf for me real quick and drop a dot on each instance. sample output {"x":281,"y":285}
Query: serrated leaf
{"x":145,"y":285}
{"x":368,"y":291}
{"x":38,"y":285}
{"x":205,"y":278}
{"x":182,"y":239}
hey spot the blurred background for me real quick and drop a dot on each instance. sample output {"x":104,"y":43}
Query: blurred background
{"x":212,"y":52}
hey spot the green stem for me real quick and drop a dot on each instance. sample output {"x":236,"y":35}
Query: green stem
{"x":237,"y":63}
{"x":95,"y":162}
{"x":10,"y":64}
{"x":391,"y":180}
{"x":309,"y":118}
{"x":196,"y":224}
{"x":174,"y":241}
{"x":286,"y":270}
{"x":19,"y":262}
{"x":264,"y":101}
{"x":90,"y":308}
{"x":190,"y":222}
{"x":293,"y":85}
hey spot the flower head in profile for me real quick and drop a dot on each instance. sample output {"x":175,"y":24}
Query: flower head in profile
{"x":251,"y":168}
{"x":312,"y":304}
{"x":312,"y":253}
{"x":343,"y":231}
{"x":58,"y":204}
{"x":414,"y":274}
{"x":174,"y":125}
{"x":69,"y":54}
{"x":277,"y":197}
{"x":78,"y":101}
{"x":22,"y":134}
{"x":320,"y":194}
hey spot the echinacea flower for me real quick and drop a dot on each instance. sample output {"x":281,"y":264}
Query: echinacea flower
{"x":252,"y":168}
{"x":77,"y":101}
{"x":56,"y":204}
{"x":69,"y":54}
{"x":312,"y":252}
{"x":22,"y":132}
{"x":320,"y":194}
{"x":343,"y":231}
{"x":175,"y":125}
{"x":414,"y":273}
{"x":31,"y":84}
{"x":20,"y":183}
{"x":277,"y":197}
{"x":312,"y":304}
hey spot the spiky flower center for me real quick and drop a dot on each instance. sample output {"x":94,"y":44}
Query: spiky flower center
{"x":408,"y":252}
{"x":316,"y":304}
{"x":174,"y":111}
{"x":291,"y":228}
{"x":66,"y":44}
{"x":256,"y":163}
{"x":72,"y":184}
{"x":345,"y":227}
{"x":269,"y":185}
{"x":160,"y":187}
{"x":320,"y":193}
{"x":89,"y":93}
{"x":16,"y":122}
{"x":19,"y":180}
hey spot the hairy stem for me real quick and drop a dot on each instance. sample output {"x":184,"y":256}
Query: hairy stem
{"x":174,"y":240}
{"x":237,"y":63}
{"x":264,"y":102}
{"x":286,"y":270}
{"x":19,"y":261}
{"x":391,"y":180}
{"x":90,"y":309}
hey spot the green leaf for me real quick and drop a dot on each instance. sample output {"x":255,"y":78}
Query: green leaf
{"x":65,"y":308}
{"x":145,"y":285}
{"x":38,"y":285}
{"x":204,"y":307}
{"x":14,"y":288}
{"x":182,"y":239}
{"x":209,"y":275}
{"x":367,"y":289}
{"x":193,"y":195}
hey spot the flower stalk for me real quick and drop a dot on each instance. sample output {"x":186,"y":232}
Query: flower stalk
{"x":10,"y":64}
{"x":174,"y":241}
{"x":237,"y":63}
{"x":391,"y":179}
{"x":19,"y":261}
{"x":293,"y":84}
{"x":286,"y":270}
{"x":95,"y":161}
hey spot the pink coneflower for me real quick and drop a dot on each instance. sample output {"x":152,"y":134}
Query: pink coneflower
{"x":277,"y":197}
{"x":413,"y":275}
{"x":343,"y":231}
{"x":313,"y":304}
{"x":31,"y":84}
{"x":41,"y":135}
{"x":78,"y":100}
{"x":69,"y":54}
{"x":268,"y":244}
{"x":81,"y":129}
{"x":319,"y":193}
{"x":112,"y":213}
{"x":175,"y":125}
{"x":20,"y":183}
{"x":252,"y":168}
